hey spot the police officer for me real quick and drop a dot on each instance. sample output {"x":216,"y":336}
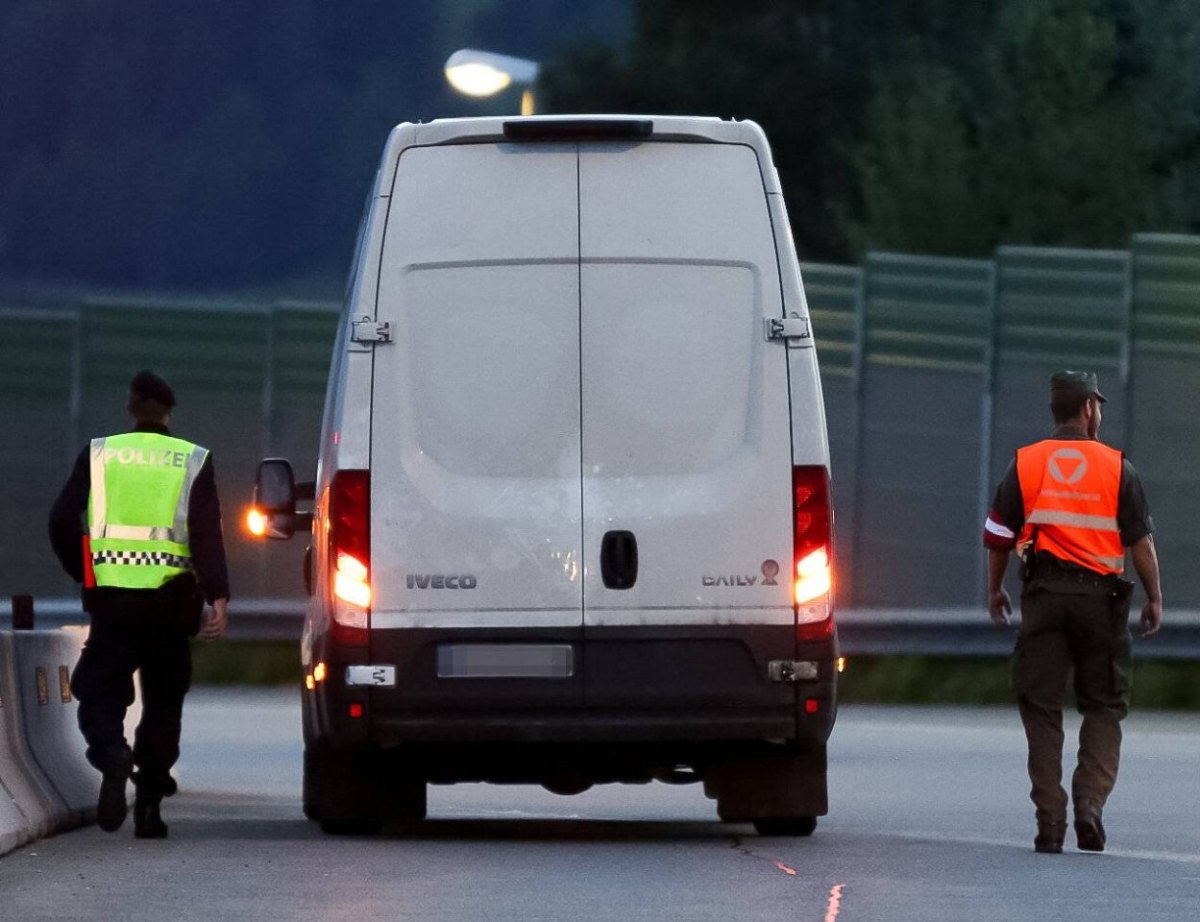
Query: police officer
{"x":149,"y":556}
{"x":1071,"y":505}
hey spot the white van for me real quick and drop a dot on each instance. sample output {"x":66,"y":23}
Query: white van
{"x":572,"y":515}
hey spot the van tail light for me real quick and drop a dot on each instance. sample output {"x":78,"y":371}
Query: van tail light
{"x":351,"y":581}
{"x":812,"y":522}
{"x":812,"y":576}
{"x":350,"y":553}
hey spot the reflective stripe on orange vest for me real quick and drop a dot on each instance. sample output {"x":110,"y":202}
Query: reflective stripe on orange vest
{"x":1070,"y":489}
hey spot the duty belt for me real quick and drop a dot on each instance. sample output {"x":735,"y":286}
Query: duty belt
{"x":1051,"y":572}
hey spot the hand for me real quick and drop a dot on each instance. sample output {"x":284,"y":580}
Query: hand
{"x":999,"y":607}
{"x":215,"y":620}
{"x":1151,"y":618}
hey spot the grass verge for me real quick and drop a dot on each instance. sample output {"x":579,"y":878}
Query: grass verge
{"x":1157,"y":684}
{"x":246,"y":662}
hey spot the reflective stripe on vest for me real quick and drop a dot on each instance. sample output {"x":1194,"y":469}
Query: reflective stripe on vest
{"x":141,"y":484}
{"x":141,"y":558}
{"x":1070,"y":490}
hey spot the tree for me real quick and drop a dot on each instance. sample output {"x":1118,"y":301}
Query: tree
{"x":917,"y":173}
{"x":772,"y":62}
{"x":932,"y":125}
{"x":1066,"y":133}
{"x":1076,"y":126}
{"x":803,"y":70}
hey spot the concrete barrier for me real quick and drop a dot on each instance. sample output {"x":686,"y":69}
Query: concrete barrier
{"x":37,"y":807}
{"x":46,"y":783}
{"x":44,"y":662}
{"x":12,"y":822}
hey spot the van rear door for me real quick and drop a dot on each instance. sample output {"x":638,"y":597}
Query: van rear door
{"x":686,"y":434}
{"x":475,"y":454}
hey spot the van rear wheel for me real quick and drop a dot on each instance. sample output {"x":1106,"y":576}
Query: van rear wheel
{"x":355,"y":793}
{"x":358,"y":826}
{"x":786,"y":825}
{"x":312,"y":771}
{"x":780,"y":793}
{"x":339,"y":790}
{"x":405,"y":799}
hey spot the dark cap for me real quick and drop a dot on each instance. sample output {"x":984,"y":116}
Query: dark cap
{"x":1070,"y":385}
{"x":149,"y":386}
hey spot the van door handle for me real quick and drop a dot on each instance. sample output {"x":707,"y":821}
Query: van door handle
{"x":619,"y":559}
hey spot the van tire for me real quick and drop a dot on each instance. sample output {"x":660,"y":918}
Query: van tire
{"x":361,"y":826}
{"x":783,"y":791}
{"x":405,"y":799}
{"x":309,"y":785}
{"x":786,"y":825}
{"x":340,"y":790}
{"x":356,"y":792}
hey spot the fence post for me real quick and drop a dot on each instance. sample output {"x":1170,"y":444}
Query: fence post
{"x":22,"y":612}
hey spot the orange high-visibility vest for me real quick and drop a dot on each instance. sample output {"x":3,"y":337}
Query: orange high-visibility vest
{"x":1071,"y":488}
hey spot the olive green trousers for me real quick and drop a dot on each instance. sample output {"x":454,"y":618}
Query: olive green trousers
{"x":1084,"y":632}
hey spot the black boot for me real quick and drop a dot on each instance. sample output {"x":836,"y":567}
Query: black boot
{"x":166,"y":785}
{"x":1050,"y":836}
{"x":111,"y":807}
{"x":1089,"y":830}
{"x":147,"y":821}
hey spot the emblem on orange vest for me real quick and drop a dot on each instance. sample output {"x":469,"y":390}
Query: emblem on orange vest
{"x":1067,"y":465}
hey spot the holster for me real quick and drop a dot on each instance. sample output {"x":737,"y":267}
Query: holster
{"x":1120,"y":663}
{"x":1122,"y":597}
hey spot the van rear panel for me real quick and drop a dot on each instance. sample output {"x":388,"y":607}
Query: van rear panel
{"x":579,"y":373}
{"x":475,"y":406}
{"x":686,"y":435}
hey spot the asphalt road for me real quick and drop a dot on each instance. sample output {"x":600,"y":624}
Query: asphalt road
{"x":929,"y":821}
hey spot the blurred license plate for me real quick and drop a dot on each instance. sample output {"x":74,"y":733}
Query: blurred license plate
{"x":505,"y":661}
{"x":382,"y":676}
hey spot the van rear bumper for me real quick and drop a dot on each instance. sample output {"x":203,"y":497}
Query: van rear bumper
{"x":702,"y":669}
{"x":589,"y":726}
{"x":671,"y":686}
{"x":569,"y":768}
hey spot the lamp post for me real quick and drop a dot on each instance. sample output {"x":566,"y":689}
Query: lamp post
{"x":484,"y":73}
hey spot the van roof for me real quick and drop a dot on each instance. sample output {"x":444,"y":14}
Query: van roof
{"x":592,"y":128}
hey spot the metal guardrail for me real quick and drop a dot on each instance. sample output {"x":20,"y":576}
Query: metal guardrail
{"x":862,"y":632}
{"x":969,"y":632}
{"x":249,"y":619}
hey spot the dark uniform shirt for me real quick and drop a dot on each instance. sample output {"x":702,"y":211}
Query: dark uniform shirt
{"x":1007,"y":517}
{"x":68,"y":524}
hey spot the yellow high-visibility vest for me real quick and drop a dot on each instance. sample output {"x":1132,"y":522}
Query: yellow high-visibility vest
{"x":141,"y":483}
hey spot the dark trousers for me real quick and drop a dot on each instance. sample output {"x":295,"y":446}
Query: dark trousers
{"x":1085,"y":632}
{"x":130,"y":631}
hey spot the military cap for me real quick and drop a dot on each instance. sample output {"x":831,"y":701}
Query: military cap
{"x":1068,"y":385}
{"x":149,"y":386}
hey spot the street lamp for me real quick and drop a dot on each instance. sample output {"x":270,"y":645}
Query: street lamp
{"x":483,"y":73}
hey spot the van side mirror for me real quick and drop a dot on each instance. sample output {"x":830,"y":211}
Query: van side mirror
{"x":275,"y":495}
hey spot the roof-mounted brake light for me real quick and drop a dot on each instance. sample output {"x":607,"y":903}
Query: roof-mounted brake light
{"x":578,"y":129}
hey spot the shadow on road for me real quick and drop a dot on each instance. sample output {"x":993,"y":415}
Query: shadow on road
{"x":246,"y":818}
{"x":263,"y":828}
{"x":565,"y":830}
